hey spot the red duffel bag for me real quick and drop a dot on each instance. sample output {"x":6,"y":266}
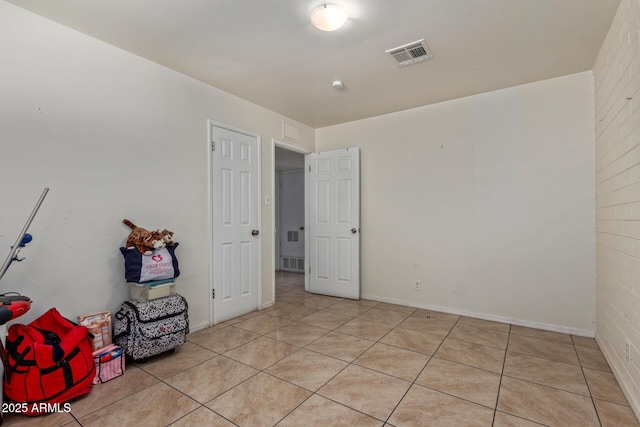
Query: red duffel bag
{"x":50,"y":362}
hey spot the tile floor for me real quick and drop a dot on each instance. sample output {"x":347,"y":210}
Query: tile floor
{"x":319,"y":361}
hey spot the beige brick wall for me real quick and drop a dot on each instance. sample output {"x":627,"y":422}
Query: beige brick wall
{"x":617,"y":171}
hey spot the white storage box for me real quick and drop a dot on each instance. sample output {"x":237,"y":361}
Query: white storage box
{"x":145,"y":292}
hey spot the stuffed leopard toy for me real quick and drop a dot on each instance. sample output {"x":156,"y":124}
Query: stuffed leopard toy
{"x":168,"y":237}
{"x":144,"y":240}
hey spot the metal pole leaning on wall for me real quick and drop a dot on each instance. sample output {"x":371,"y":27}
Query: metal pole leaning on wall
{"x":16,"y":245}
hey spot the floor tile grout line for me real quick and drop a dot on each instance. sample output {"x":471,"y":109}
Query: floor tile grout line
{"x":473,"y":342}
{"x":537,"y":356}
{"x":582,"y":368}
{"x":523,"y":418}
{"x":466,"y":365}
{"x":547,"y":386}
{"x":202,"y":405}
{"x":543,"y":339}
{"x":454,"y":396}
{"x":233,"y":348}
{"x":504,"y":363}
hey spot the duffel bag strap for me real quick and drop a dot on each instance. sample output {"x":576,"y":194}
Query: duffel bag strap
{"x":5,"y":362}
{"x":142,"y":319}
{"x":66,"y":368}
{"x":54,"y":348}
{"x":17,"y":357}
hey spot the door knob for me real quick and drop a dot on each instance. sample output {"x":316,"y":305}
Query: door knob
{"x":354,"y":230}
{"x":255,"y":232}
{"x":302,"y":228}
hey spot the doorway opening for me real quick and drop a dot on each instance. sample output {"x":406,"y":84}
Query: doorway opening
{"x":289,"y":200}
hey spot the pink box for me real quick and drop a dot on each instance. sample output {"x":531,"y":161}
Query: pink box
{"x":109,"y":362}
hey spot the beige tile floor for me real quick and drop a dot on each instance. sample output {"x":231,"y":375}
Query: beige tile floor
{"x":312,"y":360}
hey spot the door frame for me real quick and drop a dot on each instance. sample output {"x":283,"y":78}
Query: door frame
{"x":210,"y":188}
{"x":291,"y":147}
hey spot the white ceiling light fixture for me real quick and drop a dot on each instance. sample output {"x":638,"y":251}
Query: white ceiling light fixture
{"x":329,"y":17}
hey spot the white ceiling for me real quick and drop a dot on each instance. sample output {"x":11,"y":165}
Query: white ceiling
{"x":267,"y":51}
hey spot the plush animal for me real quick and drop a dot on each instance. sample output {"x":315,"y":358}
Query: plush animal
{"x":144,"y":240}
{"x":167,"y":236}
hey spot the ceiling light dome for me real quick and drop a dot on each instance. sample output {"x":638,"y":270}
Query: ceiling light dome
{"x":328,"y":17}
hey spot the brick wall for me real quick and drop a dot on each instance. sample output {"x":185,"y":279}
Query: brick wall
{"x":617,"y":171}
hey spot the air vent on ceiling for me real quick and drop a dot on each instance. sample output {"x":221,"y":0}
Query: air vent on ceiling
{"x":410,"y":53}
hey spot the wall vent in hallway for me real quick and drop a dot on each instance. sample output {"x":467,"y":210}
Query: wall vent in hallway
{"x":292,"y":264}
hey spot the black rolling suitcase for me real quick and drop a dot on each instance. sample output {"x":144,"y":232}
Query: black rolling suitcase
{"x":145,"y":329}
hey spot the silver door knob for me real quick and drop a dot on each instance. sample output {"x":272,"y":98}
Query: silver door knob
{"x":354,"y":230}
{"x":255,"y":232}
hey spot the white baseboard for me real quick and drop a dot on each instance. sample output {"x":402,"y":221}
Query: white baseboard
{"x":484,"y":316}
{"x":266,"y":305}
{"x":196,"y":328}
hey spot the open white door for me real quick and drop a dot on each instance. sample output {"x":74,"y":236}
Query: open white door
{"x":236,"y":239}
{"x":332,"y":222}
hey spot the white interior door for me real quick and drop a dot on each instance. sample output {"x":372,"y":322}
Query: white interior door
{"x":236,"y":239}
{"x":332,"y":222}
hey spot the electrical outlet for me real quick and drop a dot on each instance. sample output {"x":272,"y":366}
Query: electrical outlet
{"x":417,"y":286}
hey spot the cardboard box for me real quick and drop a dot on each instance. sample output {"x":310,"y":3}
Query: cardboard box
{"x":145,"y":292}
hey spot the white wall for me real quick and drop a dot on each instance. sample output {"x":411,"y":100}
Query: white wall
{"x":617,"y":113}
{"x":487,"y":200}
{"x":114,"y":136}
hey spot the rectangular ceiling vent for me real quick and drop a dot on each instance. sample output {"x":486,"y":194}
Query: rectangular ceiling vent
{"x":410,"y":53}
